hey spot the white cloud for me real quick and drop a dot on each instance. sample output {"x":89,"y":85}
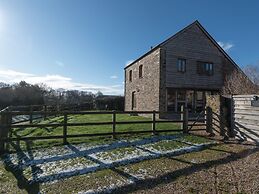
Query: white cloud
{"x":57,"y":81}
{"x":128,"y":62}
{"x":60,"y":63}
{"x":225,"y":45}
{"x":114,"y":77}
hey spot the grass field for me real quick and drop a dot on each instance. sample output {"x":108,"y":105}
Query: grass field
{"x":138,"y":163}
{"x":222,"y":168}
{"x":28,"y":132}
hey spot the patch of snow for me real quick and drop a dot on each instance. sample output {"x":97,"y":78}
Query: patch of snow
{"x":52,"y":164}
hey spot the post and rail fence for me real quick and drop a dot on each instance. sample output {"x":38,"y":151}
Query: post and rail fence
{"x":6,"y":124}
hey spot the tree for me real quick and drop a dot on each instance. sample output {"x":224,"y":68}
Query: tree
{"x":99,"y":94}
{"x":252,"y":71}
{"x":240,"y":83}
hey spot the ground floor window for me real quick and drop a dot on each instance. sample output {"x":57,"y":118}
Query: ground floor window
{"x":193,"y":99}
{"x":133,"y":100}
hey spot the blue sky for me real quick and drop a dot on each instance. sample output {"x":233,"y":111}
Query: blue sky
{"x":85,"y":44}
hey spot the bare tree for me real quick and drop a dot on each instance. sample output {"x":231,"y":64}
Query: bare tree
{"x":252,"y":71}
{"x":239,"y":83}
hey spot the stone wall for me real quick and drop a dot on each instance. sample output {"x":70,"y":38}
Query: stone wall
{"x":220,"y":113}
{"x":146,"y":88}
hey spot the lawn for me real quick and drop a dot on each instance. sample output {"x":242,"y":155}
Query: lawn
{"x":49,"y":131}
{"x":218,"y":168}
{"x":39,"y":170}
{"x":96,"y":164}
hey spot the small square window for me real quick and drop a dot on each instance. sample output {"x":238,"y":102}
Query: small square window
{"x":181,"y":65}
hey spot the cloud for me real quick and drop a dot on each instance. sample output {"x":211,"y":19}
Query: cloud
{"x":128,"y":62}
{"x":226,"y":45}
{"x":57,"y":82}
{"x":114,"y":77}
{"x":60,"y":63}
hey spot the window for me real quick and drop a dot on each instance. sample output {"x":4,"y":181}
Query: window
{"x":205,"y":68}
{"x":140,"y":71}
{"x":171,"y":99}
{"x":181,"y":65}
{"x":130,"y":75}
{"x":133,"y":100}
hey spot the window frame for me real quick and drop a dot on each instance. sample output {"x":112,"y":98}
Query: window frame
{"x":130,"y":75}
{"x":205,"y":68}
{"x":181,"y":67}
{"x":140,"y":71}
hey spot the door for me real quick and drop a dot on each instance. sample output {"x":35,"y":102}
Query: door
{"x":133,"y":100}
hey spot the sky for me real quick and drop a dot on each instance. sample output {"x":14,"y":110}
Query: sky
{"x":85,"y":44}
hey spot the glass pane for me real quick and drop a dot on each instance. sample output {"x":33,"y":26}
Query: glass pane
{"x":190,"y":99}
{"x":171,"y":100}
{"x":200,"y":101}
{"x":180,"y":104}
{"x":181,"y":95}
{"x":179,"y":65}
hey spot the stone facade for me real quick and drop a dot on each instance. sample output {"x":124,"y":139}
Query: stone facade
{"x":146,"y":88}
{"x":160,"y":73}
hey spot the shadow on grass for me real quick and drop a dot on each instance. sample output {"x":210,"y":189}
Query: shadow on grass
{"x":26,"y":159}
{"x":172,"y":176}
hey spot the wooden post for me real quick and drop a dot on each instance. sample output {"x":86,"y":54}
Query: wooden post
{"x":31,"y":111}
{"x":113,"y":124}
{"x":209,"y":120}
{"x":65,"y":129}
{"x":154,"y":122}
{"x":45,"y":110}
{"x":232,"y":119}
{"x":184,"y":118}
{"x":5,"y":123}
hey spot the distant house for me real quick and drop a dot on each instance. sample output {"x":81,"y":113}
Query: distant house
{"x":179,"y":71}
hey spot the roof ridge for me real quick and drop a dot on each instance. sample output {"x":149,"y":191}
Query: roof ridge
{"x":196,"y":22}
{"x":163,"y":42}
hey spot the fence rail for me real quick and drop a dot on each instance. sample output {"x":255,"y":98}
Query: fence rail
{"x":245,"y":117}
{"x":6,"y":124}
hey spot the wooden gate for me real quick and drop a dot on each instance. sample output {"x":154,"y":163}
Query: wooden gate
{"x":245,"y":117}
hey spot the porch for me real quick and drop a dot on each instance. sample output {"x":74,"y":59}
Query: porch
{"x":193,"y":99}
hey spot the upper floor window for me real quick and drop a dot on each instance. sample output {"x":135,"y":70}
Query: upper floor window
{"x":181,"y":65}
{"x":205,"y":68}
{"x":140,"y":71}
{"x":130,"y":75}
